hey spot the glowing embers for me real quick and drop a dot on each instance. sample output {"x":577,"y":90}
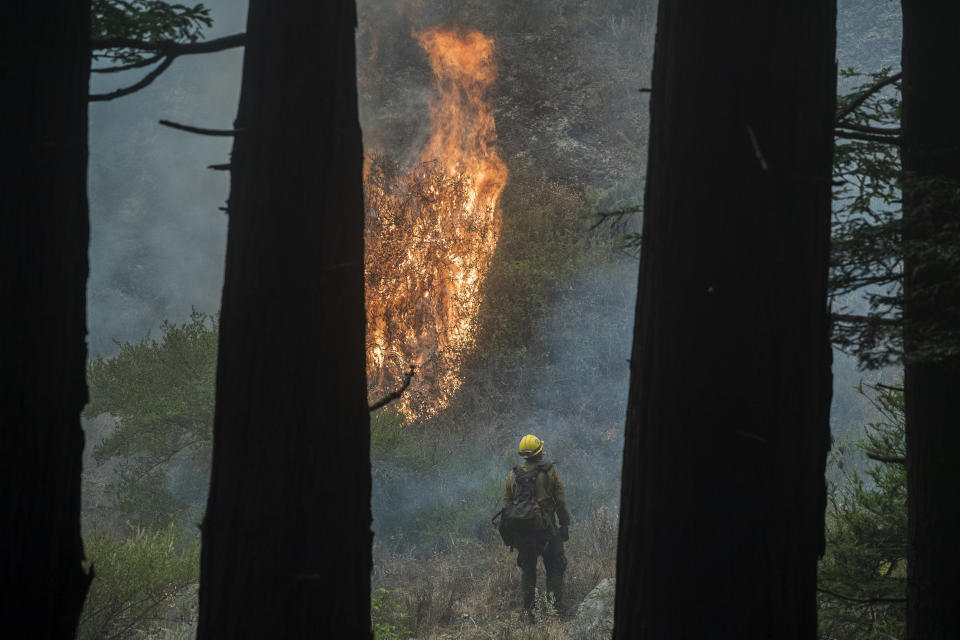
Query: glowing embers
{"x":431,"y":231}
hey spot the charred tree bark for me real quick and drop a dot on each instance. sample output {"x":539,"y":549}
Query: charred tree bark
{"x":286,"y":538}
{"x":44,"y":68}
{"x":723,"y":490}
{"x":931,"y":222}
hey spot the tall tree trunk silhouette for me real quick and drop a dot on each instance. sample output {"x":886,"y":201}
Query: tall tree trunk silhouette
{"x":286,"y":538}
{"x":931,"y":223}
{"x":723,"y":490}
{"x":44,"y":233}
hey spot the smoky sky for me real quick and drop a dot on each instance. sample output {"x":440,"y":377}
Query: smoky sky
{"x":157,"y":237}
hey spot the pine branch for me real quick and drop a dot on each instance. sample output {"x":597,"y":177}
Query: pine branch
{"x":863,"y":97}
{"x":846,"y":317}
{"x":890,"y":459}
{"x":868,"y":137}
{"x":853,"y":126}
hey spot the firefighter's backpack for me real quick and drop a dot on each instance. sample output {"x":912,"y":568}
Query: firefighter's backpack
{"x":523,"y":517}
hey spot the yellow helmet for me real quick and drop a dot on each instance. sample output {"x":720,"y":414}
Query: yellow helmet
{"x":530,"y":445}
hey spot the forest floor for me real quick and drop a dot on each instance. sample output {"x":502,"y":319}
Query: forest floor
{"x":471,"y":589}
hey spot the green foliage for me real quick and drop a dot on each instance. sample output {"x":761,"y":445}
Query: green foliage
{"x":616,"y":207}
{"x":386,"y":432}
{"x":387,"y":616}
{"x":867,"y":243}
{"x":872,"y":239}
{"x":543,"y":246}
{"x":149,"y":21}
{"x":862,"y":579}
{"x":161,"y":394}
{"x":142,"y":584}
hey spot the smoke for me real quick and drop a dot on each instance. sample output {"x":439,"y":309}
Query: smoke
{"x":869,"y":34}
{"x":568,"y":106}
{"x":157,"y":237}
{"x":568,"y":112}
{"x":575,"y":401}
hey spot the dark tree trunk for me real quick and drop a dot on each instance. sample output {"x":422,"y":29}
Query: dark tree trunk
{"x":286,"y":537}
{"x":727,"y":429}
{"x":931,"y":214}
{"x":44,"y":68}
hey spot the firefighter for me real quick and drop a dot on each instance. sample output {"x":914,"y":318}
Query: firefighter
{"x":550,"y":496}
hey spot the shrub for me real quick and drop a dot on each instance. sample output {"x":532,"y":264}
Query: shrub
{"x":143,"y":584}
{"x":161,"y":394}
{"x":862,"y":581}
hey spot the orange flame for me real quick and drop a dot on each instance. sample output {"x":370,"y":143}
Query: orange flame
{"x":432,"y":231}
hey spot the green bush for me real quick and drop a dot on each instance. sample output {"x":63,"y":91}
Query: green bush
{"x":862,"y":577}
{"x":161,"y":394}
{"x":143,"y":585}
{"x":387,"y":617}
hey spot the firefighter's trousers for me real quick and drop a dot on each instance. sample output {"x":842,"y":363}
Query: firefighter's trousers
{"x":550,"y":547}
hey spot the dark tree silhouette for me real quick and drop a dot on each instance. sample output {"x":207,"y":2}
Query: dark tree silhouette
{"x":286,"y":537}
{"x":44,"y":67}
{"x":931,"y":223}
{"x":723,"y":490}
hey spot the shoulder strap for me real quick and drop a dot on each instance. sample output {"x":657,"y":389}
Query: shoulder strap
{"x":516,"y":474}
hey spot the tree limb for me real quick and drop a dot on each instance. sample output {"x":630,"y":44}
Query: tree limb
{"x":891,"y":459}
{"x":863,"y":97}
{"x":867,"y":137}
{"x":874,"y":600}
{"x":168,"y":49}
{"x":201,"y":131}
{"x":888,"y":387}
{"x":883,"y":131}
{"x":146,"y":62}
{"x":390,"y":397}
{"x":125,"y":91}
{"x":846,"y":317}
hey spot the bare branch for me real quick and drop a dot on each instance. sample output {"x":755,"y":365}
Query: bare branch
{"x":125,"y":91}
{"x":390,"y":397}
{"x":220,"y":167}
{"x":146,"y":62}
{"x":863,"y":97}
{"x":201,"y":131}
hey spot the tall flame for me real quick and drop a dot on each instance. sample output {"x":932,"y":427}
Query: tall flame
{"x":432,"y":229}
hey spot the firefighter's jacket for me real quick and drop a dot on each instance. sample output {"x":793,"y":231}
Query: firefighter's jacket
{"x":548,"y":492}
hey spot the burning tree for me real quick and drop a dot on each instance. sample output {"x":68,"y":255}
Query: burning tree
{"x":431,"y":230}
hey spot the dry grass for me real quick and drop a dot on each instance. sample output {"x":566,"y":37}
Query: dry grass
{"x":471,"y":591}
